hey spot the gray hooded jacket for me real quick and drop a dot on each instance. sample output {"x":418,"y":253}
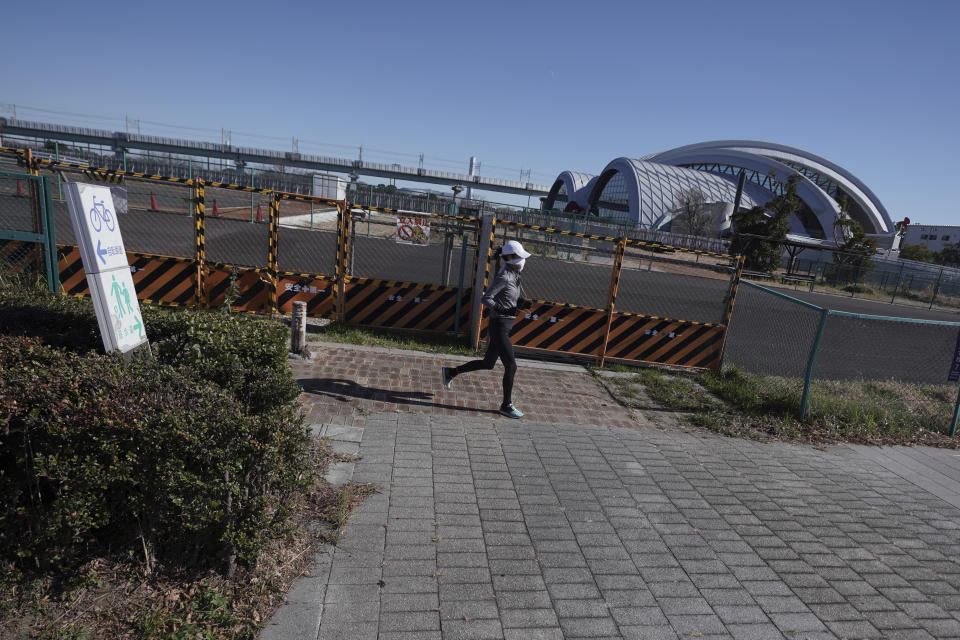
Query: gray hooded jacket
{"x":503,"y":294}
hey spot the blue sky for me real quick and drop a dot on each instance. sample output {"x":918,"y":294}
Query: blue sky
{"x":547,"y":86}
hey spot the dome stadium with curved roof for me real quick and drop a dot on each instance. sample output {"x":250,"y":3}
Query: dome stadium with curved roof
{"x":648,"y":191}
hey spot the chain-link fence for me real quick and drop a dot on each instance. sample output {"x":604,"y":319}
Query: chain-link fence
{"x":675,"y":284}
{"x":426,"y":249}
{"x":562,"y":268}
{"x":826,"y":355}
{"x":27,"y":247}
{"x":872,"y":277}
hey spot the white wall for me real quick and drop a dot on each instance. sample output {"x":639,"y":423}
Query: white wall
{"x":934,"y":236}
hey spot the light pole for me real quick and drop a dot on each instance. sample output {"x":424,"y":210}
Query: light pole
{"x":456,"y":191}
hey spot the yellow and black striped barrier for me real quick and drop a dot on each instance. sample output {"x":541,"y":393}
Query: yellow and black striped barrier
{"x":655,"y":246}
{"x":200,"y":242}
{"x":403,"y":212}
{"x":273,"y":249}
{"x":96,"y":176}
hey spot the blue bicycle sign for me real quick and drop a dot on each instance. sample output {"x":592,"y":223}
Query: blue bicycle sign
{"x":100,"y":216}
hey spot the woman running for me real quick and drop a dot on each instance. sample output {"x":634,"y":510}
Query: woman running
{"x":503,"y":299}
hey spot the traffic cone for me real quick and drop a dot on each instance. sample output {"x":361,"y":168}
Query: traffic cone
{"x":259,"y":214}
{"x":20,"y":191}
{"x":216,"y":210}
{"x":153,"y":203}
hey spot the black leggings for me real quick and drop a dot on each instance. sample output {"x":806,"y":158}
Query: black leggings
{"x":499,"y":346}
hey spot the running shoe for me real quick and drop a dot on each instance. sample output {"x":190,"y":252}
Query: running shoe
{"x":446,"y":376}
{"x":511,"y":411}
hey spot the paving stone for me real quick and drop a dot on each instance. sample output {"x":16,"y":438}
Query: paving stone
{"x":632,"y":525}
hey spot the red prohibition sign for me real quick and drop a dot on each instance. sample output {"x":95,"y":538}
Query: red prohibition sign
{"x":405,"y":232}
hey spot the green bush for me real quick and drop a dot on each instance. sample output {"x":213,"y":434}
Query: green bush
{"x":59,"y":321}
{"x":98,"y":452}
{"x":243,"y":354}
{"x":193,"y":455}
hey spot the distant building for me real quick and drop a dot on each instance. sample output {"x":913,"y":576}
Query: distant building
{"x":932,"y":235}
{"x":648,"y":191}
{"x":328,"y":185}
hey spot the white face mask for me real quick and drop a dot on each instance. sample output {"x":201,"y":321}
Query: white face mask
{"x":518,"y":263}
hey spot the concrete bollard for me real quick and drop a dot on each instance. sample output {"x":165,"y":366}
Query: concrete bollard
{"x":298,"y":327}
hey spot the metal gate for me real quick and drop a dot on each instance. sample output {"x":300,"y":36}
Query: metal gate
{"x":28,"y":250}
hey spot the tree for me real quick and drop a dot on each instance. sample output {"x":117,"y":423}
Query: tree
{"x":919,"y":252}
{"x":691,"y":215}
{"x":854,"y":248}
{"x":770,"y":222}
{"x":949,"y":255}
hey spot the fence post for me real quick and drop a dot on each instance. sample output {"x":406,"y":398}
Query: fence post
{"x":856,"y":280}
{"x":824,"y":314}
{"x":897,"y":286}
{"x":273,"y":250}
{"x":190,"y":178}
{"x":612,"y":295}
{"x":816,"y":271}
{"x":50,"y":237}
{"x":734,"y":286}
{"x":463,"y":265}
{"x":936,"y":288}
{"x":251,"y":194}
{"x":338,"y":286}
{"x":956,"y":415}
{"x":198,"y":232}
{"x":298,"y":327}
{"x":351,"y":230}
{"x":56,"y":148}
{"x":484,"y":252}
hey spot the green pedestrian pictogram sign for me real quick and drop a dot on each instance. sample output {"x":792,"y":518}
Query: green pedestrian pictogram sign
{"x":97,"y":229}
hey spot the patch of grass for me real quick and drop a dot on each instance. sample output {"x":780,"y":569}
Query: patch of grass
{"x":766,"y":407}
{"x":676,"y":391}
{"x":753,"y":393}
{"x":396,"y":339}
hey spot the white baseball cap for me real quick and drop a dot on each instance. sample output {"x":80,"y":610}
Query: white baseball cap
{"x":514,"y":248}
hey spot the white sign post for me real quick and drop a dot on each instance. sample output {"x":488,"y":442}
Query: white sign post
{"x":114,"y":296}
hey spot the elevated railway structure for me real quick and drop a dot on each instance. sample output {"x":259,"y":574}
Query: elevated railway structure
{"x":22,"y":133}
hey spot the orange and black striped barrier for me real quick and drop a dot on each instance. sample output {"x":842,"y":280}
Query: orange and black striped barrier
{"x":18,"y":257}
{"x":403,"y":305}
{"x":73,"y":280}
{"x":640,"y":338}
{"x":563,"y":328}
{"x":160,"y":280}
{"x":163,"y":280}
{"x":248,"y":289}
{"x":316,"y":291}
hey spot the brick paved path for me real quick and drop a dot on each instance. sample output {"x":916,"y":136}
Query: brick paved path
{"x":550,"y":528}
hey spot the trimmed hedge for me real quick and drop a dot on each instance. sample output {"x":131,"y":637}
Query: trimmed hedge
{"x":194,"y":456}
{"x":245,"y":355}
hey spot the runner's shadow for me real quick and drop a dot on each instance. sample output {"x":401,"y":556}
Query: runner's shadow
{"x":341,"y":389}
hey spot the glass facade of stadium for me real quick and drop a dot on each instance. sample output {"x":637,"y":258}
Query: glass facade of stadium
{"x":648,"y":192}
